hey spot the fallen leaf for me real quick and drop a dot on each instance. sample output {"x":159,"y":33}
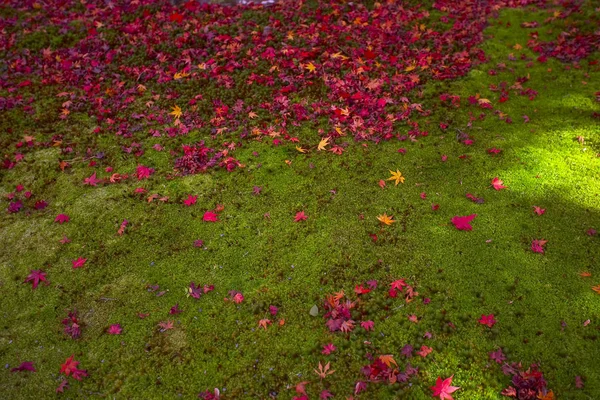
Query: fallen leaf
{"x":396,"y":176}
{"x":385,"y":219}
{"x":443,"y":388}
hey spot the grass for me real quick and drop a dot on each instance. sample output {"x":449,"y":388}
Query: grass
{"x":539,"y":300}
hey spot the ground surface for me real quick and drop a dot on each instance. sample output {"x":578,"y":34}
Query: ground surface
{"x":99,"y":195}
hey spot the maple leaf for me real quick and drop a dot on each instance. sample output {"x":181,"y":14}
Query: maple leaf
{"x":382,"y":183}
{"x":300,"y":149}
{"x":494,"y":150}
{"x":498,"y":184}
{"x":69,"y":368}
{"x":263,"y":323}
{"x":190,"y":200}
{"x":121,"y":230}
{"x":539,"y":210}
{"x":487,"y":320}
{"x":443,"y":389}
{"x":385,"y":219}
{"x":325,"y":394}
{"x":463,"y":223}
{"x":92,"y":180}
{"x":79,"y":263}
{"x":388,"y":360}
{"x":25,"y":366}
{"x":322,"y":144}
{"x":498,"y":356}
{"x":165,"y":325}
{"x":596,"y":289}
{"x":210,"y":216}
{"x":396,"y":176}
{"x":176,"y":112}
{"x":61,"y":218}
{"x":115,"y":329}
{"x":35,"y":276}
{"x":424,"y":351}
{"x":323,"y":370}
{"x":347,"y":326}
{"x":537,"y":246}
{"x":367,"y":325}
{"x":300,"y":216}
{"x":310,"y":67}
{"x":301,"y":387}
{"x":328,"y":349}
{"x":64,"y":384}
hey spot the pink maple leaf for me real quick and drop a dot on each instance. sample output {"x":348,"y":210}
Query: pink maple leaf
{"x":79,"y":263}
{"x":328,"y":349}
{"x":300,"y":216}
{"x":463,"y":223}
{"x":210,"y":216}
{"x":64,"y":384}
{"x":494,"y":150}
{"x":60,"y":218}
{"x":190,"y":200}
{"x":538,"y":210}
{"x":367,"y":325}
{"x":115,"y":329}
{"x":487,"y":320}
{"x":35,"y":277}
{"x":92,"y":180}
{"x":498,"y":184}
{"x":498,"y":356}
{"x":443,"y":388}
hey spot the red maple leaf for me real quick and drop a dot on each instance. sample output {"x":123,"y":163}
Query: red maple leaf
{"x":190,"y":200}
{"x":487,"y":320}
{"x":498,"y":184}
{"x":60,"y":218}
{"x":210,"y":216}
{"x":80,"y":262}
{"x":443,"y":389}
{"x":35,"y":276}
{"x":463,"y":223}
{"x":424,"y":351}
{"x":300,"y":216}
{"x":70,"y":368}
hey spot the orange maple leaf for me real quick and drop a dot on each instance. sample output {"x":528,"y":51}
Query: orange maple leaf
{"x":388,"y":360}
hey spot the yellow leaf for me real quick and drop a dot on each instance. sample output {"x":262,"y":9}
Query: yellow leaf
{"x":310,"y":67}
{"x":322,"y":144}
{"x":300,"y":149}
{"x":385,"y":219}
{"x":396,"y":176}
{"x":176,"y":112}
{"x":290,"y":35}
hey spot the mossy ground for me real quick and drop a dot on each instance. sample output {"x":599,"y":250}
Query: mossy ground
{"x":539,"y":300}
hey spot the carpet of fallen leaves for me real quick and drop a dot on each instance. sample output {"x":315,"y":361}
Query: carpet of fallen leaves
{"x":205,"y":200}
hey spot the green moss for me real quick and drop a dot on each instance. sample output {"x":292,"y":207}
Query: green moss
{"x":257,"y":249}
